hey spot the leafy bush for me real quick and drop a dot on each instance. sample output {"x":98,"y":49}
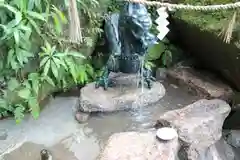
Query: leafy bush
{"x":29,"y":62}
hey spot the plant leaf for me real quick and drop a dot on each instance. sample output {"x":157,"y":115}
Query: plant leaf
{"x":36,"y":15}
{"x":60,"y":14}
{"x":49,"y":80}
{"x":24,"y":93}
{"x":19,"y":113}
{"x":46,"y":68}
{"x":43,"y":61}
{"x":57,"y":24}
{"x":35,"y":26}
{"x":54,"y":69}
{"x":16,"y":37}
{"x":13,"y":84}
{"x":34,"y":106}
{"x":76,"y":54}
{"x":10,"y":56}
{"x":156,"y":51}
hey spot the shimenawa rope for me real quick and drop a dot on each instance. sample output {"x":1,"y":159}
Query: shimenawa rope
{"x":189,"y":7}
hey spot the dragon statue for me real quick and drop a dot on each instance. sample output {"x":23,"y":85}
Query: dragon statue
{"x":128,"y":38}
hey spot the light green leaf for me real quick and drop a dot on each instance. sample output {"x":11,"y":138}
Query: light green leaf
{"x":19,"y":113}
{"x":14,"y":64}
{"x":46,"y":68}
{"x":156,"y":51}
{"x":18,"y":15}
{"x":35,"y":26}
{"x":90,"y":70}
{"x":33,"y":76}
{"x":59,"y":54}
{"x":24,"y":93}
{"x":10,"y":56}
{"x":72,"y":68}
{"x":36,"y":15}
{"x":54,"y":70}
{"x":60,"y":14}
{"x":13,"y":84}
{"x":31,"y":4}
{"x":43,"y":61}
{"x":57,"y":62}
{"x":35,"y":85}
{"x":34,"y":106}
{"x":76,"y":54}
{"x":38,"y":4}
{"x":16,"y":37}
{"x":19,"y":56}
{"x":49,"y":80}
{"x":25,"y":28}
{"x":57,"y":24}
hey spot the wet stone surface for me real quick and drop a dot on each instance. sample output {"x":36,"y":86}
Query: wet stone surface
{"x":199,"y":126}
{"x":200,"y":83}
{"x":124,"y":95}
{"x":57,"y":130}
{"x":140,"y":146}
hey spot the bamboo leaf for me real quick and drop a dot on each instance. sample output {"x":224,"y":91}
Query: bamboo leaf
{"x":35,"y":26}
{"x":60,"y":14}
{"x":36,"y":15}
{"x":57,"y":24}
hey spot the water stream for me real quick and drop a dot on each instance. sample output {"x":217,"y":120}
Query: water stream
{"x":57,"y":129}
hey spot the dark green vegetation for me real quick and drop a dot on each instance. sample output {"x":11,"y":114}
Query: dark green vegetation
{"x":220,"y":22}
{"x":36,"y":57}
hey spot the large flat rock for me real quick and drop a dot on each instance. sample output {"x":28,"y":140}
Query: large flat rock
{"x":138,"y":146}
{"x":123,"y":95}
{"x":199,"y":125}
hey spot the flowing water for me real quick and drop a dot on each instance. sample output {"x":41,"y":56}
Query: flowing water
{"x":57,"y":130}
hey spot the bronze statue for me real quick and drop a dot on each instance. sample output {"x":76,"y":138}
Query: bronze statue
{"x":128,"y":38}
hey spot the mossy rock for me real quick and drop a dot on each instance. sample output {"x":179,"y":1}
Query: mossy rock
{"x":214,"y":21}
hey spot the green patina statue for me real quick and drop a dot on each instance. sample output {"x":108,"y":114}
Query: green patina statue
{"x":128,"y":39}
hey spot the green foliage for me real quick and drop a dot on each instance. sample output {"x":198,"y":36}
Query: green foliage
{"x":164,"y":52}
{"x":212,"y":21}
{"x":24,"y":40}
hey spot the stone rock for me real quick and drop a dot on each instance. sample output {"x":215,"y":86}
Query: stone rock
{"x":82,"y":117}
{"x":123,"y":95}
{"x":199,"y":125}
{"x":202,"y":84}
{"x":139,"y":146}
{"x":218,"y":151}
{"x":233,"y":138}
